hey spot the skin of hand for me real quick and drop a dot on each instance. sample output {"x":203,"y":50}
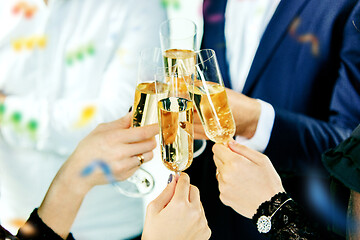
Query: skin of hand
{"x":176,"y":214}
{"x":246,"y":112}
{"x":117,"y":145}
{"x":246,"y":177}
{"x":353,"y":215}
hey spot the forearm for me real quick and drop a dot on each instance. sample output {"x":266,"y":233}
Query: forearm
{"x":62,"y":202}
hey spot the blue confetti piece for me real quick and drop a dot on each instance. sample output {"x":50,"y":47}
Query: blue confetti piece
{"x":103,"y":166}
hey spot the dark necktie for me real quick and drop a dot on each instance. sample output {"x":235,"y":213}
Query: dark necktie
{"x":214,"y":36}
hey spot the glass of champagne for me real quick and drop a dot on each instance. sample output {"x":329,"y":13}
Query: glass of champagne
{"x":144,"y":113}
{"x":175,"y":111}
{"x":210,"y":98}
{"x":178,"y":43}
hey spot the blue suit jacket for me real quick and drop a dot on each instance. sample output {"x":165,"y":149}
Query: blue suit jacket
{"x":308,"y":67}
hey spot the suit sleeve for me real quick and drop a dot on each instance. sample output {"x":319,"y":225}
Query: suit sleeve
{"x":297,"y":141}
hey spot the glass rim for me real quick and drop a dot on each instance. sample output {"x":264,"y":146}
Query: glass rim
{"x":177,"y":19}
{"x":211,"y":56}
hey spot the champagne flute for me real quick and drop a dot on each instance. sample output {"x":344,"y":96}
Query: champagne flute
{"x":175,"y":111}
{"x":178,"y":43}
{"x":210,"y":98}
{"x":145,"y":101}
{"x":144,"y":113}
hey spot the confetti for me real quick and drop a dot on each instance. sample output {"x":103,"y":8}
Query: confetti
{"x":213,"y":17}
{"x":305,"y":38}
{"x":104,"y":168}
{"x":87,"y":115}
{"x":90,"y":50}
{"x":16,"y":117}
{"x":79,"y":54}
{"x":17,"y":222}
{"x":32,"y":125}
{"x":17,"y":45}
{"x":174,"y":3}
{"x":29,"y":43}
{"x":27,"y":10}
{"x":42,"y":42}
{"x":2,"y":109}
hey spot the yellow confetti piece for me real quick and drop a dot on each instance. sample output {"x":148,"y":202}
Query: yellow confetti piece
{"x":30,"y":43}
{"x":17,"y":222}
{"x":42,"y":41}
{"x":305,"y":38}
{"x":17,"y":44}
{"x":87,"y":115}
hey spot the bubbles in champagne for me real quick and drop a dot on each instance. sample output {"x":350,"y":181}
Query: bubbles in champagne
{"x":145,"y":107}
{"x":176,"y":132}
{"x":214,"y":111}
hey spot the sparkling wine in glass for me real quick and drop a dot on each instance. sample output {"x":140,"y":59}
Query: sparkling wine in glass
{"x":178,"y":42}
{"x":210,"y":98}
{"x":175,"y":113}
{"x":150,"y":73}
{"x":145,"y":113}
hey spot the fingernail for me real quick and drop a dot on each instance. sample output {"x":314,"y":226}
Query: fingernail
{"x":170,"y":178}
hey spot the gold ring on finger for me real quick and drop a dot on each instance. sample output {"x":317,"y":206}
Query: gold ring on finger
{"x":141,"y":159}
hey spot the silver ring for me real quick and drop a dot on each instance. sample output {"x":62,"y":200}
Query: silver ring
{"x":141,"y":159}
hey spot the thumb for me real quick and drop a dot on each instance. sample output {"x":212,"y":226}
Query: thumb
{"x":165,"y":197}
{"x":124,"y":122}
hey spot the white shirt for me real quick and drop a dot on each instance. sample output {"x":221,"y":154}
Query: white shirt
{"x":245,"y":23}
{"x":65,"y":68}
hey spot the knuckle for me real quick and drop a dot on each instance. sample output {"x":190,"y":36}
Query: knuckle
{"x":101,"y":126}
{"x":223,"y":199}
{"x":153,"y":144}
{"x":151,"y":155}
{"x":181,"y":204}
{"x":225,"y":177}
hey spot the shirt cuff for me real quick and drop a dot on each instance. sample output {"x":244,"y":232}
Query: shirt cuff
{"x":262,"y":134}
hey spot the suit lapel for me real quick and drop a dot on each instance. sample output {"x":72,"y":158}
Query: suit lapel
{"x":275,"y":31}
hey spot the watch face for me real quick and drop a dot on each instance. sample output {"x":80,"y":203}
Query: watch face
{"x":264,"y":224}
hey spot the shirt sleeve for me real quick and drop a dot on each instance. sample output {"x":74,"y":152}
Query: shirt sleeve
{"x":36,"y":229}
{"x":262,"y":134}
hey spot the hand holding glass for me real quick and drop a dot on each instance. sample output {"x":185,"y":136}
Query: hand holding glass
{"x":144,"y":113}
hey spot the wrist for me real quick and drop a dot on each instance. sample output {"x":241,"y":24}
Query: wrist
{"x":267,"y":213}
{"x":70,"y":180}
{"x":248,"y":126}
